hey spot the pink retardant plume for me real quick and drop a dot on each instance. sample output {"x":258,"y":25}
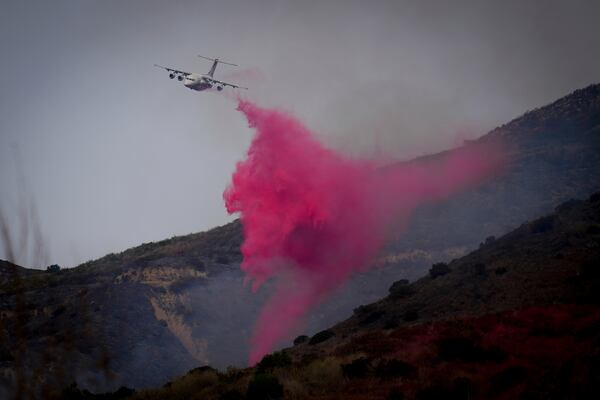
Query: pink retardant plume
{"x":313,"y":217}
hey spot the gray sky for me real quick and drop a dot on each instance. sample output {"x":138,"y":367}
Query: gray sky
{"x":115,"y":154}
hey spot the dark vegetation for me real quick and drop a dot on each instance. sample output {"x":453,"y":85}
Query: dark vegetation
{"x":460,"y":348}
{"x":543,"y":224}
{"x":541,"y":344}
{"x":73,"y":392}
{"x":264,"y":386}
{"x":53,"y":268}
{"x":358,"y":368}
{"x":400,"y":289}
{"x":536,"y":352}
{"x":301,"y":339}
{"x":321,"y":337}
{"x":393,"y":368}
{"x":279,"y":359}
{"x":439,"y":269}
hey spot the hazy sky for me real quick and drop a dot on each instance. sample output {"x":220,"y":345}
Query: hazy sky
{"x":114,"y":154}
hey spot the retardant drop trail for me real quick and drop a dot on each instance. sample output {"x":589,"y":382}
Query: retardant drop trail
{"x":313,"y":217}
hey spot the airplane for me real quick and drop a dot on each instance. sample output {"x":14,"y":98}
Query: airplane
{"x":198,"y":81}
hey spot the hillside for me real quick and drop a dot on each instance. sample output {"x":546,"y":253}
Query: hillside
{"x":517,"y":318}
{"x":554,"y":157}
{"x":8,"y":271}
{"x":550,"y":260}
{"x":122,"y":311}
{"x":143,"y":316}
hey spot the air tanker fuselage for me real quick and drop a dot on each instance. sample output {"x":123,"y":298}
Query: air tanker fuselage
{"x":197,"y":82}
{"x":200,"y":82}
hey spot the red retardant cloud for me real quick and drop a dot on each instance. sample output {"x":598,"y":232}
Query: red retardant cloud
{"x":313,"y":217}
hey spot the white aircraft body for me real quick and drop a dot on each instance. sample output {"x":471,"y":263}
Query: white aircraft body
{"x":199,"y":81}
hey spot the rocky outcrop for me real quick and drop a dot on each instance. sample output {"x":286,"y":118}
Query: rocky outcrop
{"x":170,"y":308}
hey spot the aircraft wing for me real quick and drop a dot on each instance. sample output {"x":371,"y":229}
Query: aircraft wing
{"x":216,"y":82}
{"x":176,"y":71}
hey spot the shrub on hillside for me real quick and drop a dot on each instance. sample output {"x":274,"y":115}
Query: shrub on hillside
{"x":410,"y":315}
{"x":202,"y":369}
{"x":371,"y":318}
{"x":122,"y":393}
{"x":595,"y":197}
{"x":394,"y":369}
{"x":488,"y":240}
{"x":321,"y":337}
{"x":395,"y":394}
{"x":400,"y":289}
{"x":53,"y":268}
{"x":438,"y":269}
{"x":568,"y":205}
{"x":462,"y":388}
{"x":5,"y":355}
{"x":73,"y":392}
{"x":457,"y":348}
{"x":232,"y":374}
{"x":590,"y":268}
{"x":478,"y":269}
{"x":192,"y":382}
{"x":300,"y":339}
{"x":364,"y":309}
{"x":308,"y":358}
{"x":231,"y":395}
{"x":543,"y":224}
{"x":358,"y":368}
{"x":264,"y":386}
{"x":593,"y":229}
{"x":279,"y":359}
{"x":506,"y":379}
{"x":434,"y":392}
{"x":323,"y":374}
{"x":391,"y":323}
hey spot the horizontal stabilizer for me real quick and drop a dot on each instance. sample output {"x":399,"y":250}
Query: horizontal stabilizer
{"x":217,"y":60}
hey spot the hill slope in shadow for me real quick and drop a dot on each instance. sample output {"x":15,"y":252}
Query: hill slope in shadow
{"x":517,"y":318}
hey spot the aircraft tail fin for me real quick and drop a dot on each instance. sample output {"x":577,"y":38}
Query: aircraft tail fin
{"x":215,"y":62}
